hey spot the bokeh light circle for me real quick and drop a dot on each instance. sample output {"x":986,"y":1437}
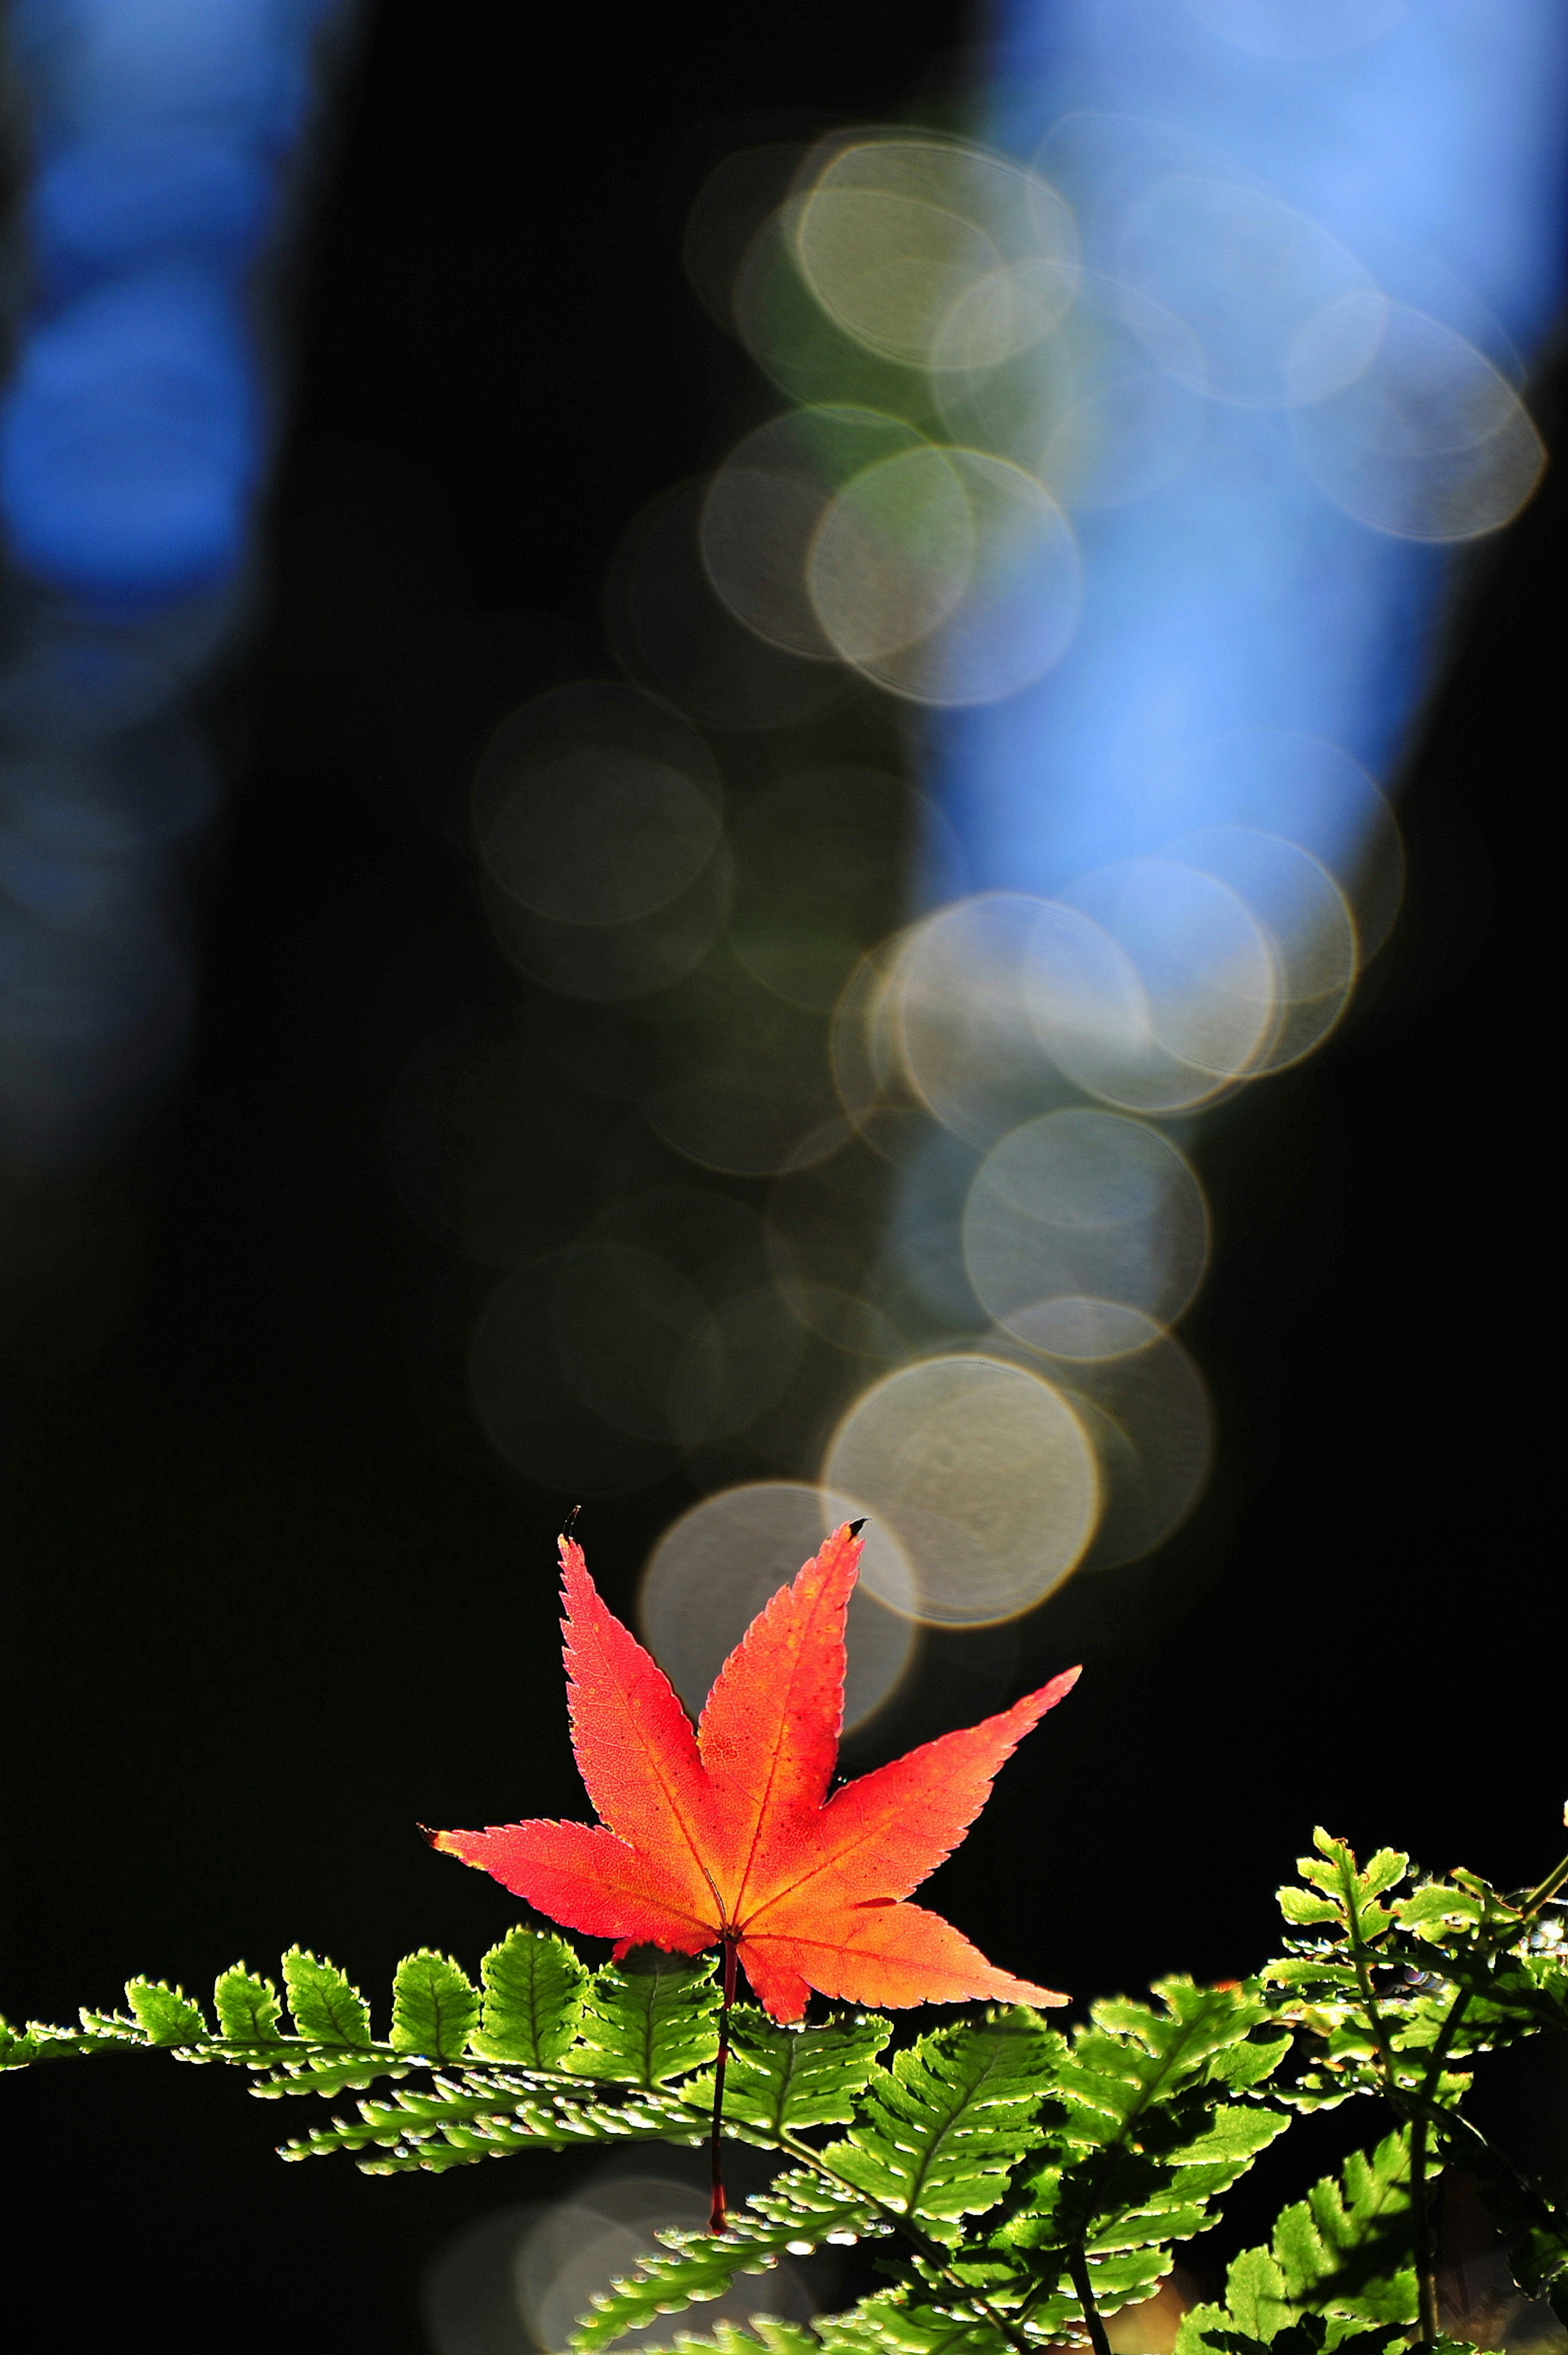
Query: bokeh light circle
{"x":596,"y":804}
{"x":736,"y":1364}
{"x":819,"y":859}
{"x":860,"y":1040}
{"x":983,"y":1475}
{"x":597,"y":2237}
{"x":536,"y":1416}
{"x":714,"y":1569}
{"x":767,"y":503}
{"x":947,"y":575}
{"x":1202,"y":960}
{"x":1083,"y":1231}
{"x":669,"y":627}
{"x":598,"y":839}
{"x":957,"y":1010}
{"x":1246,"y":273}
{"x":1426,"y":439}
{"x":747,"y":1087}
{"x":1305,"y":916}
{"x":608,"y":963}
{"x":1151,"y":1423}
{"x":896,"y":237}
{"x":998,"y":318}
{"x":1104,"y":412}
{"x":1308,"y":791}
{"x":1093,"y":1017}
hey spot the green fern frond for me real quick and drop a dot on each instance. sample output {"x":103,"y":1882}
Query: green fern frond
{"x":247,"y":2006}
{"x":1344,"y":1902}
{"x":21,"y":2048}
{"x":534,"y":1988}
{"x":435,"y":2007}
{"x":892,"y":2320}
{"x":1394,"y":1994}
{"x":1257,"y":2315}
{"x":1153,"y":2119}
{"x":325,"y":2009}
{"x":485,"y":2114}
{"x":166,"y":2014}
{"x":784,"y":2080}
{"x":1337,"y":2272}
{"x":1139,"y":2095}
{"x":763,"y":2334}
{"x":309,"y":2069}
{"x":942,"y":2128}
{"x":798,"y":2213}
{"x":1088,"y":2161}
{"x":647,"y":2020}
{"x":1346,"y":2248}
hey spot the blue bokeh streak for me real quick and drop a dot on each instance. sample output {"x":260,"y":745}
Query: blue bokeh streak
{"x":164,"y":142}
{"x":1238,"y":597}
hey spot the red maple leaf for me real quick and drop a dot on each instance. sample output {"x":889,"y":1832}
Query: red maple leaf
{"x":727,"y":1834}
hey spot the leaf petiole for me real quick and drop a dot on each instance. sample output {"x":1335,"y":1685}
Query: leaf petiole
{"x":717,"y":2213}
{"x":1078,"y":2268}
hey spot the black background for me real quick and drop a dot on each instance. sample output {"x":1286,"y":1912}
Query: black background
{"x":270,"y":1597}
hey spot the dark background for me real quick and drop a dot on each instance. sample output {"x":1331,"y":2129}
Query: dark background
{"x":270,"y":1597}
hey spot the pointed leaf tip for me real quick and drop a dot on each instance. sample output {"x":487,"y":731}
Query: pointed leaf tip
{"x":457,"y":1844}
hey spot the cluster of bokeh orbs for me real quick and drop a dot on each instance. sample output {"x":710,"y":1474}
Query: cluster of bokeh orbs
{"x":829,"y":1209}
{"x":973,"y":362}
{"x":518,"y":2281}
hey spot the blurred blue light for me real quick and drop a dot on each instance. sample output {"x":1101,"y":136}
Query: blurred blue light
{"x":129,"y":442}
{"x":134,"y":436}
{"x":241,"y":66}
{"x":128,"y":201}
{"x":1240,"y":597}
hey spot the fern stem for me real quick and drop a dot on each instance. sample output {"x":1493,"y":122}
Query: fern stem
{"x":717,"y":2213}
{"x":1094,"y":2321}
{"x":938,"y":2258}
{"x":1546,"y":1889}
{"x":1362,"y":1960}
{"x":1425,"y":2251}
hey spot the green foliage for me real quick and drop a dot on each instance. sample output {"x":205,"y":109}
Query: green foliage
{"x":167,"y":2015}
{"x":247,"y":2007}
{"x":1344,"y":2248}
{"x":797,"y":2214}
{"x":533,"y":1998}
{"x":1336,"y":2271}
{"x":887,"y":2321}
{"x":1019,"y":2182}
{"x":647,"y":2020}
{"x":435,"y":2007}
{"x":325,"y":2009}
{"x":1154,"y":2116}
{"x":783,"y":2080}
{"x":765,"y":2335}
{"x":1389,"y":1995}
{"x":941,"y":2129}
{"x":1259,"y":2312}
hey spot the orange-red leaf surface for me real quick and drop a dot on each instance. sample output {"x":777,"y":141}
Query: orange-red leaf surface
{"x":730,"y":1832}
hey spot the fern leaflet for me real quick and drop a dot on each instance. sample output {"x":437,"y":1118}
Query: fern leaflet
{"x":942,"y":2128}
{"x":798,"y":2214}
{"x":533,"y":1998}
{"x":647,"y":2020}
